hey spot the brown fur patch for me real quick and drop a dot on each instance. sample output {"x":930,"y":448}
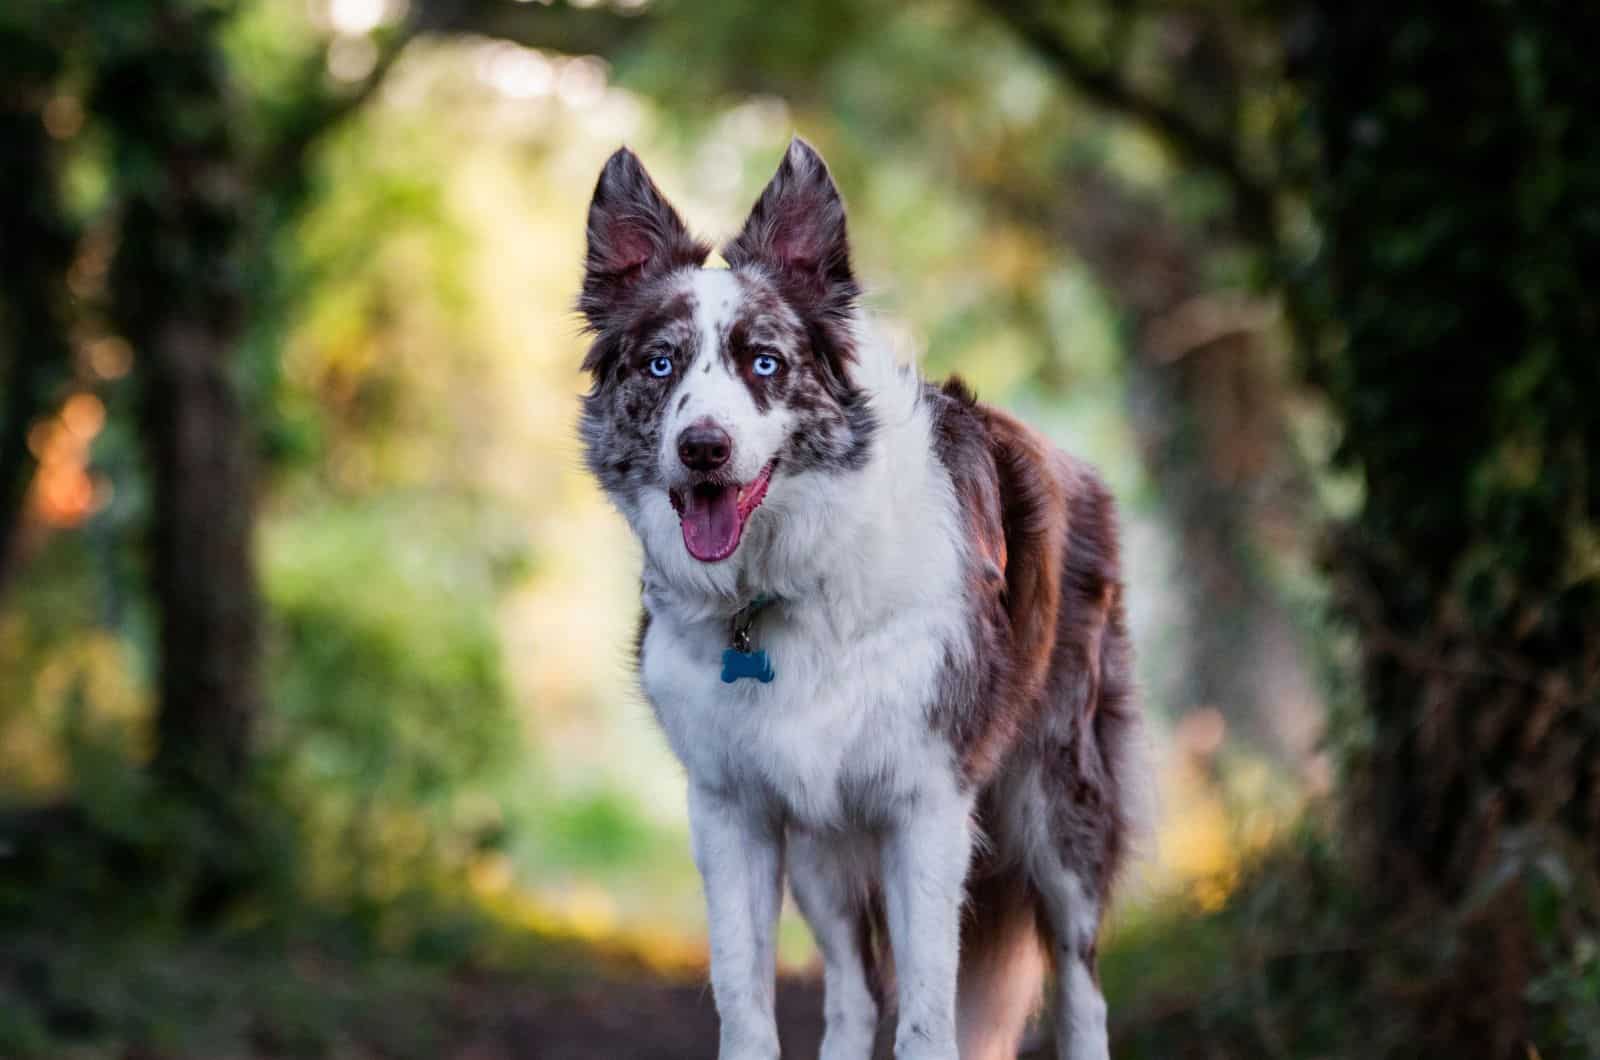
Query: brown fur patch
{"x":1035,"y":524}
{"x":1051,"y":675}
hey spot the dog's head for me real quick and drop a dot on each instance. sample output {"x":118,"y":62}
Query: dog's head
{"x":715,"y":388}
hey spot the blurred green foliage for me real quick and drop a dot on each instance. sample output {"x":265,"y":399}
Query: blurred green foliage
{"x":391,"y":712}
{"x":1307,"y":959}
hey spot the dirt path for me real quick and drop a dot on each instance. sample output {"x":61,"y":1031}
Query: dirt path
{"x":622,"y":1020}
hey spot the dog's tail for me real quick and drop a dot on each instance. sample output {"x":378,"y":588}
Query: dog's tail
{"x":1002,"y":968}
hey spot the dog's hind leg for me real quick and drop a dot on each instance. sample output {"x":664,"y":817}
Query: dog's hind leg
{"x":1073,"y":914}
{"x":834,"y":903}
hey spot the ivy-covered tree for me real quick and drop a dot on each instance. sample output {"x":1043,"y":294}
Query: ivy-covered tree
{"x":1459,"y":195}
{"x":185,"y":192}
{"x":196,"y":174}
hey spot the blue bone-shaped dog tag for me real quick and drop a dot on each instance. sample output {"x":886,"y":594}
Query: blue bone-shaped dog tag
{"x":737,"y":664}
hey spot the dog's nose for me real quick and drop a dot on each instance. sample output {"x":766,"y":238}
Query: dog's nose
{"x":704,"y":447}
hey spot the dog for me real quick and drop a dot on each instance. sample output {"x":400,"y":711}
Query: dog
{"x":882,"y":629}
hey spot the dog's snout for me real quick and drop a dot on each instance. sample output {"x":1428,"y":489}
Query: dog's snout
{"x":704,"y":447}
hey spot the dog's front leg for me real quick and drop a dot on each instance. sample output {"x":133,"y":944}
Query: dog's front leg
{"x":834,"y":910}
{"x":925,"y":858}
{"x":739,"y":851}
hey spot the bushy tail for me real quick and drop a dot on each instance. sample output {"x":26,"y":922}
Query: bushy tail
{"x":1002,"y":969}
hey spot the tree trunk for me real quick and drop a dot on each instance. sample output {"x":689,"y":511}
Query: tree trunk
{"x":201,"y":557}
{"x":1208,"y":409}
{"x":1207,"y":406}
{"x":1207,"y":394}
{"x":175,"y":292}
{"x":1460,"y":178}
{"x":35,"y":249}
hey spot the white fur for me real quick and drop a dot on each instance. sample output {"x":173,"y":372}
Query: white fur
{"x":924,"y":876}
{"x":740,"y":857}
{"x":1080,"y":1011}
{"x":868,"y":572}
{"x":1080,"y":1016}
{"x":829,"y":880}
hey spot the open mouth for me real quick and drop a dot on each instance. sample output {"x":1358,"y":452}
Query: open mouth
{"x":712,"y":514}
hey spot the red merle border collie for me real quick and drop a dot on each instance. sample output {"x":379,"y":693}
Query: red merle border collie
{"x":883,"y":630}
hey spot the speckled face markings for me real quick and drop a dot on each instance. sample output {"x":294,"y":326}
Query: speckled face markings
{"x":763,"y":350}
{"x":715,"y":326}
{"x":623,"y":413}
{"x":714,"y":391}
{"x":830,"y":425}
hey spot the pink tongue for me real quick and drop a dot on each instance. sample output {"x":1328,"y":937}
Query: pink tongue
{"x":711,"y":523}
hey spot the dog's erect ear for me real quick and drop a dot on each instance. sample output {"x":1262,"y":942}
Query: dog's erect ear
{"x":797,"y":230}
{"x":633,"y":233}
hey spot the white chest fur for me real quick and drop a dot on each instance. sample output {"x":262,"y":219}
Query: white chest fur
{"x":840,"y":735}
{"x":867,"y":566}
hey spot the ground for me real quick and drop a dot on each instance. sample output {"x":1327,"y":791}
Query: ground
{"x":639,"y":1020}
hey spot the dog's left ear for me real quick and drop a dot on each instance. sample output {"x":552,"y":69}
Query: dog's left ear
{"x":797,"y":230}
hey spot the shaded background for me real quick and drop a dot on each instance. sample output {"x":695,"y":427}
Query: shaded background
{"x":317,"y":733}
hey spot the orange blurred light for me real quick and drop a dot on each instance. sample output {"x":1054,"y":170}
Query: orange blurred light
{"x":110,"y":357}
{"x":83,"y":415}
{"x":64,"y":494}
{"x":41,"y":438}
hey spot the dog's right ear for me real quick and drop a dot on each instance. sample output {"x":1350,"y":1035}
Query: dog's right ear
{"x":633,"y":233}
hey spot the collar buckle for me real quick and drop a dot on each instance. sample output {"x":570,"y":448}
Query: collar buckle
{"x":744,"y":618}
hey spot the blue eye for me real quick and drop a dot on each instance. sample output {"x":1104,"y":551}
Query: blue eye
{"x":661,"y":367}
{"x":765,"y":365}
